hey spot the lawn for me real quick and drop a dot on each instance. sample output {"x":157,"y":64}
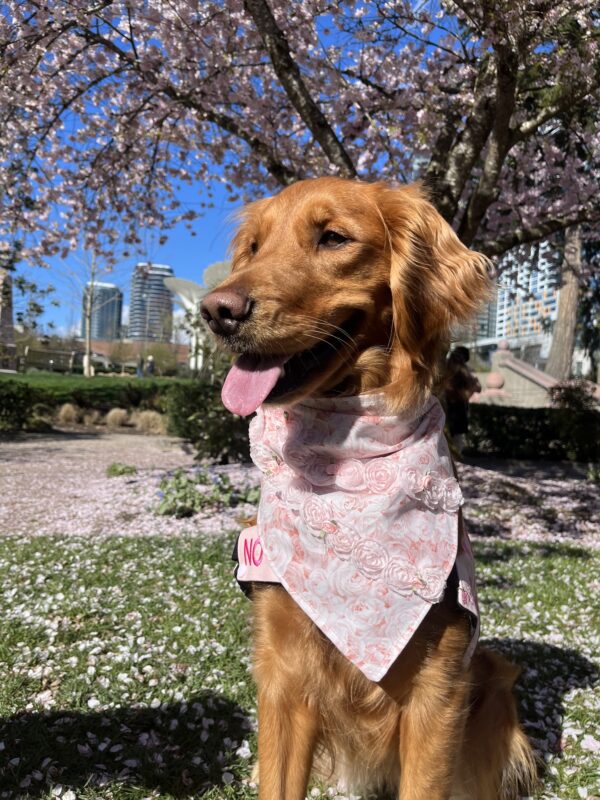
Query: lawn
{"x":124,"y":664}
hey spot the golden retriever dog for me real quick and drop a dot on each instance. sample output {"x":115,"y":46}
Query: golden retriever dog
{"x":341,"y":288}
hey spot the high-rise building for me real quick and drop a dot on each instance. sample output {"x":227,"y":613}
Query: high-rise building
{"x":481,"y":326}
{"x":528,"y":305}
{"x":107,"y":306}
{"x":486,"y":320}
{"x":151,"y":303}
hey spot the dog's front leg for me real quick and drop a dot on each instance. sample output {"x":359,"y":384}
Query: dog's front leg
{"x":287,"y":726}
{"x":286,"y":741}
{"x":431,"y":736}
{"x":433,"y":719}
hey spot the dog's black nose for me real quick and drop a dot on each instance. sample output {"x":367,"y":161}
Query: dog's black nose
{"x":224,"y":309}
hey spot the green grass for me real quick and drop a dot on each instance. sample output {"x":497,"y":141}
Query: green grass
{"x":124,"y":664}
{"x":116,"y":469}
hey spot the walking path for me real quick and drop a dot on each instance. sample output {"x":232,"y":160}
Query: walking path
{"x":57,"y":484}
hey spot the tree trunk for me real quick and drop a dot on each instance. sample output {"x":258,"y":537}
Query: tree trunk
{"x":563,"y":335}
{"x":89,"y":306}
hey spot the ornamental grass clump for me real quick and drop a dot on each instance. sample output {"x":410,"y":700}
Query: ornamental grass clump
{"x":92,"y":417}
{"x":69,"y":414}
{"x":150,"y":422}
{"x":117,"y":418}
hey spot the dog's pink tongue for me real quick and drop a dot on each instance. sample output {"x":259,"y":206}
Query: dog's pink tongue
{"x":249,"y":382}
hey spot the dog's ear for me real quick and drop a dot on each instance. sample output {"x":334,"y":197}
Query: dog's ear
{"x":436,"y":282}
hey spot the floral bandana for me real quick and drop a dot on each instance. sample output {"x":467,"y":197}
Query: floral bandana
{"x":358,"y":519}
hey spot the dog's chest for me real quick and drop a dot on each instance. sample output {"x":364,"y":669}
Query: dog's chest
{"x":358,"y":520}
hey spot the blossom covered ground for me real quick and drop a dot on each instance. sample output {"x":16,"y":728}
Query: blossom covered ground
{"x":70,"y":468}
{"x":124,"y":648}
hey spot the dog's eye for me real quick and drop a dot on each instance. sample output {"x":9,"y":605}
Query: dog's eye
{"x":253,"y":248}
{"x":332,"y":239}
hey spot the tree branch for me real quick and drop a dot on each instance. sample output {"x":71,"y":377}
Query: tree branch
{"x":448,"y":171}
{"x":530,"y":126}
{"x":535,"y":233}
{"x":282,"y":174}
{"x":500,"y":143}
{"x":290,"y":78}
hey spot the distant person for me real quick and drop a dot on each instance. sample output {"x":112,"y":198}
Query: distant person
{"x":459,"y":386}
{"x":139,"y":370}
{"x":150,"y":366}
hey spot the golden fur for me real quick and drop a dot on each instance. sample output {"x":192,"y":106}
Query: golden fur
{"x":382,"y":277}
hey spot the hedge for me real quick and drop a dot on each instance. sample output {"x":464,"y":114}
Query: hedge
{"x":17,"y":401}
{"x":194,"y":409}
{"x":534,"y":433}
{"x":101,"y":393}
{"x":195,"y":412}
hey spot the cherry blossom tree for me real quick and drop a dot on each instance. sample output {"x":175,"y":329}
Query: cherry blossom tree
{"x":108,"y":108}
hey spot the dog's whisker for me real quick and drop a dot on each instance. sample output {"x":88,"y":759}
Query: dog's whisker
{"x":331,"y":344}
{"x":330,"y":331}
{"x":349,"y":347}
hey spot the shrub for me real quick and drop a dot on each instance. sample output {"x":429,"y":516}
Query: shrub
{"x":40,"y":418}
{"x":574,"y":405}
{"x":534,"y":433}
{"x":195,"y":412}
{"x":184,"y":494}
{"x":593,"y":473}
{"x":116,"y":418}
{"x":106,"y":393}
{"x":68,"y":414}
{"x":575,"y":396}
{"x":16,"y":404}
{"x":116,"y":469}
{"x":149,"y":422}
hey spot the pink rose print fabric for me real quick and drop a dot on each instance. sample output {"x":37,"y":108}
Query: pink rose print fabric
{"x":358,"y":519}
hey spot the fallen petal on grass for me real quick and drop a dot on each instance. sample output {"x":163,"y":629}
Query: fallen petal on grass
{"x":124,"y":644}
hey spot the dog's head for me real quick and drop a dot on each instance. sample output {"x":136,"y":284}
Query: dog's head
{"x":337,"y":287}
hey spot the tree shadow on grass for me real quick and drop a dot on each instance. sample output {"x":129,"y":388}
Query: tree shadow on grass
{"x":489,"y":553}
{"x":548,"y":674}
{"x":181,"y":749}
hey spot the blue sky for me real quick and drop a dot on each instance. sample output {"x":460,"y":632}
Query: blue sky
{"x":188,"y":256}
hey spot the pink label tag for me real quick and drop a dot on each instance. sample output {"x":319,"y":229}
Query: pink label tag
{"x":252,"y":559}
{"x":466,"y":598}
